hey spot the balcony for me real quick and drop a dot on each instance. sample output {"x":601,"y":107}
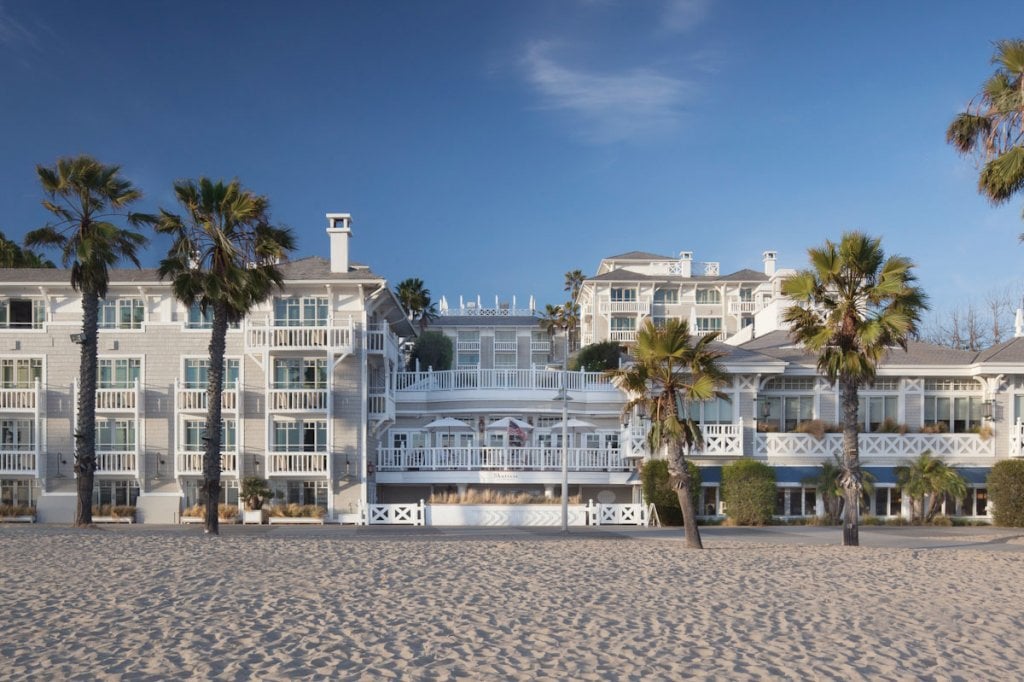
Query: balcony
{"x":722,"y":440}
{"x":19,"y":461}
{"x":490,"y":379}
{"x":381,"y":405}
{"x":117,"y":462}
{"x":260,"y":338}
{"x":875,"y":446}
{"x":297,"y":399}
{"x":504,"y":459}
{"x":738,"y":307}
{"x":297,"y":463}
{"x":505,"y":346}
{"x":381,"y":341}
{"x":638,"y":307}
{"x":190,"y":463}
{"x":1017,"y":439}
{"x":622,"y":335}
{"x":117,"y":399}
{"x":540,"y":346}
{"x":20,"y":399}
{"x":194,"y":399}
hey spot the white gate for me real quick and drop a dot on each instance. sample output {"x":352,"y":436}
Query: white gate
{"x":617,"y":514}
{"x":395,"y":514}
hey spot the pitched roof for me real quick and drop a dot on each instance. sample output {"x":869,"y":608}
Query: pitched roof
{"x":639,"y":255}
{"x":1008,"y":351}
{"x":627,"y":275}
{"x":778,"y":344}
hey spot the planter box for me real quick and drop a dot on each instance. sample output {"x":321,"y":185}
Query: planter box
{"x":17,"y":519}
{"x":252,"y":516}
{"x":306,"y":520}
{"x":199,"y":519}
{"x":354,"y":518}
{"x":113,"y":519}
{"x":503,"y":515}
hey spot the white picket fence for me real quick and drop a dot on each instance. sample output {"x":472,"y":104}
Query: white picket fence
{"x":422,"y":514}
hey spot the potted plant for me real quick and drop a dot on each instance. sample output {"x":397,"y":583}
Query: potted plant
{"x":254,"y":493}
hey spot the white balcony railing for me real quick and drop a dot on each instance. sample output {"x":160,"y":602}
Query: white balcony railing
{"x":1017,"y":439}
{"x":381,"y":405}
{"x":962,"y":446}
{"x":469,"y":346}
{"x":338,"y":337}
{"x":485,"y":458}
{"x":638,"y":307}
{"x":540,"y":346}
{"x":380,"y":340}
{"x":20,"y":398}
{"x":117,"y":399}
{"x":622,"y":335}
{"x":722,"y":440}
{"x":18,"y":461}
{"x":297,"y":400}
{"x":505,"y":346}
{"x":194,"y":399}
{"x":737,"y":307}
{"x":191,"y":463}
{"x":309,"y":463}
{"x":116,"y":462}
{"x":485,"y":379}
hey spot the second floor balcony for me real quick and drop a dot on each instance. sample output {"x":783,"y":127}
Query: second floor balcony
{"x":297,"y":463}
{"x":195,"y":399}
{"x":190,"y":463}
{"x":485,"y":379}
{"x":893,"y":447}
{"x":20,"y":460}
{"x":297,"y":399}
{"x":337,"y":337}
{"x":498,"y":458}
{"x":125,"y":462}
{"x":642,"y":307}
{"x":21,"y":398}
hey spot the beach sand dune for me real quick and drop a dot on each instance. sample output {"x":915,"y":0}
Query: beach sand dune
{"x":159,"y":604}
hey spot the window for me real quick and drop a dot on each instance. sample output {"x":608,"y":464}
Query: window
{"x":296,"y":373}
{"x":795,"y":501}
{"x":876,"y":409}
{"x":888,"y":501}
{"x":20,"y":372}
{"x":706,"y":295}
{"x":790,"y":384}
{"x":505,"y":349}
{"x":746,"y":295}
{"x":623,"y":324}
{"x":300,"y":436}
{"x":951,"y":384}
{"x":952,"y":414}
{"x":708,"y":501}
{"x":197,"y":319}
{"x":122,"y":313}
{"x":119,"y":493}
{"x":197,"y":373}
{"x":301,"y":492}
{"x":195,"y":433}
{"x":666,"y":296}
{"x":115,"y":435}
{"x":118,"y":372}
{"x":22,"y":313}
{"x":193,"y":493}
{"x":18,"y":491}
{"x":785,"y":413}
{"x":16,"y":435}
{"x":305,"y":311}
{"x":620,"y":295}
{"x":716,"y":411}
{"x":706,"y":325}
{"x":468,"y":346}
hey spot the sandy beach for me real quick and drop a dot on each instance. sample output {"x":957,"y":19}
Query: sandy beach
{"x":168,"y":603}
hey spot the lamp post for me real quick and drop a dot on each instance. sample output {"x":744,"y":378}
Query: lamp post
{"x":563,"y":395}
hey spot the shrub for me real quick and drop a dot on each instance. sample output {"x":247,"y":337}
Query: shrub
{"x":16,"y":510}
{"x":813,"y":427}
{"x":432,"y":349}
{"x":748,"y":490}
{"x":596,"y":357}
{"x":115,"y":511}
{"x":1006,"y":492}
{"x":298,"y":511}
{"x":658,"y":490}
{"x":225,"y":512}
{"x":890,"y":425}
{"x":254,"y":492}
{"x":936,"y":427}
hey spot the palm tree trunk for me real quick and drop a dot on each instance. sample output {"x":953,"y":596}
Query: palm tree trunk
{"x":679,"y":471}
{"x":850,"y":478}
{"x":214,"y":420}
{"x":85,"y":435}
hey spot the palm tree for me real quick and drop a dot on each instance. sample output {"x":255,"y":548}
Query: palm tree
{"x":224,"y":258}
{"x":927,"y":475}
{"x":84,"y":196}
{"x":670,"y":371}
{"x":415,"y":298}
{"x":852,"y":307}
{"x":992,"y":127}
{"x":826,"y":483}
{"x":571,"y":310}
{"x":14,"y":256}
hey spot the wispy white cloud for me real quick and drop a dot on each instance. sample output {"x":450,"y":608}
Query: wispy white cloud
{"x":682,"y":15}
{"x":13,"y":33}
{"x":613,"y":106}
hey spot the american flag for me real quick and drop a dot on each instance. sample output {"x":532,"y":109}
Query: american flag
{"x":516,"y":434}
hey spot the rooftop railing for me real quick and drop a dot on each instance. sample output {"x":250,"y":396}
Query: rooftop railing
{"x":484,"y":379}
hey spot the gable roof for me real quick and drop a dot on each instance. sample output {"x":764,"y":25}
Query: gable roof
{"x":779,"y":345}
{"x":627,"y":275}
{"x":639,"y":255}
{"x":1008,"y":351}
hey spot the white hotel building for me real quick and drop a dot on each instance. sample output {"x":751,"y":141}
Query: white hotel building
{"x":319,"y":401}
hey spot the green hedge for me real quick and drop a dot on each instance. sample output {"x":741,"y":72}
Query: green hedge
{"x":748,"y":490}
{"x":432,"y":349}
{"x":1006,"y":492}
{"x":659,"y":491}
{"x":596,"y":357}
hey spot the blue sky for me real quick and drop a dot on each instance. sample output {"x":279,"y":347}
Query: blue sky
{"x":488,"y":147}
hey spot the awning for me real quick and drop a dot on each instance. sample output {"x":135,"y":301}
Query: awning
{"x":975,"y":476}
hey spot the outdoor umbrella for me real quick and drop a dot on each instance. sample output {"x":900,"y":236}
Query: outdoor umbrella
{"x":505,"y":422}
{"x":573,"y":423}
{"x":448,"y":423}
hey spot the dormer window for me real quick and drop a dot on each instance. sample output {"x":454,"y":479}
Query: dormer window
{"x":22,"y":313}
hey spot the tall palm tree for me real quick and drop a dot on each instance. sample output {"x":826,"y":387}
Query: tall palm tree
{"x":929,"y":476}
{"x":852,"y":307}
{"x":827,"y":484}
{"x":84,"y":196}
{"x":14,"y":256}
{"x":415,"y":298}
{"x":571,"y":310}
{"x":992,"y":127}
{"x":671,"y":370}
{"x":223,"y":258}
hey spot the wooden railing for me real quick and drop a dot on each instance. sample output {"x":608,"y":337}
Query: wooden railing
{"x":725,"y":440}
{"x":469,"y":379}
{"x":483,"y":458}
{"x":298,"y":338}
{"x":297,"y":399}
{"x":875,"y":445}
{"x":191,"y":463}
{"x":297,"y":463}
